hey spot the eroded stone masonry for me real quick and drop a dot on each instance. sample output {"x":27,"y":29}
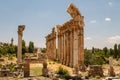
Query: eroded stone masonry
{"x":70,"y":40}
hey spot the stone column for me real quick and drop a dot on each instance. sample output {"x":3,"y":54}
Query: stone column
{"x":67,"y":49}
{"x":81,"y":48}
{"x":19,"y":51}
{"x":65,"y":54}
{"x":59,"y":54}
{"x":55,"y":56}
{"x":51,"y":50}
{"x":71,"y":49}
{"x":61,"y":49}
{"x":64,"y":49}
{"x":75,"y":49}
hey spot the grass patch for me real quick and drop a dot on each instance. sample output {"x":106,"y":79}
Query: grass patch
{"x":36,"y":71}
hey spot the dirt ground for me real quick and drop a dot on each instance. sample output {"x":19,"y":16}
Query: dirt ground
{"x":53,"y":66}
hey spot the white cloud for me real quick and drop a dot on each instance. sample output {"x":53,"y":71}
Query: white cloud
{"x":114,"y":39}
{"x":107,"y":19}
{"x":93,"y":21}
{"x":88,"y":38}
{"x":110,"y":3}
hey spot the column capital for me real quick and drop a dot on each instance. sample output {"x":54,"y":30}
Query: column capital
{"x":21,"y":29}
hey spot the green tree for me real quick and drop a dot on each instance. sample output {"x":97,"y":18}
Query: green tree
{"x":111,"y":52}
{"x":31,"y":47}
{"x":23,"y":47}
{"x":4,"y":49}
{"x":93,"y":50}
{"x":119,"y":51}
{"x":115,"y":51}
{"x":87,"y":57}
{"x":43,"y":50}
{"x":11,"y":49}
{"x":105,"y":50}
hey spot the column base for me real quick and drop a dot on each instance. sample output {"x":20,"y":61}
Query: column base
{"x":82,"y":68}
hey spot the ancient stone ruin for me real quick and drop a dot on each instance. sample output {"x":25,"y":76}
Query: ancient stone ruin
{"x":95,"y":70}
{"x":4,"y":72}
{"x":70,"y":40}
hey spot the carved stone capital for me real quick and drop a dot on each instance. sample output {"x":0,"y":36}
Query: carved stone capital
{"x":21,"y":29}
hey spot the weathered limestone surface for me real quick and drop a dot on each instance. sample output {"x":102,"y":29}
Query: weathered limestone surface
{"x":20,"y":34}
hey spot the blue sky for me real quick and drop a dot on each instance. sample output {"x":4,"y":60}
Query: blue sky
{"x":102,"y":26}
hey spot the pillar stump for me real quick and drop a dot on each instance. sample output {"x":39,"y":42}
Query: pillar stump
{"x":45,"y":69}
{"x":26,"y":69}
{"x":111,"y":72}
{"x":111,"y":69}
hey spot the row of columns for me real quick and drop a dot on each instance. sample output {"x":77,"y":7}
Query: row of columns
{"x":51,"y":45}
{"x":70,"y":44}
{"x":70,"y":40}
{"x":65,"y":47}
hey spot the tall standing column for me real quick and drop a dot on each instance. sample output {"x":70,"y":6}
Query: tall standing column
{"x":81,"y":48}
{"x":59,"y":48}
{"x":71,"y":49}
{"x":64,"y":50}
{"x":55,"y":56}
{"x":19,"y":51}
{"x":67,"y":53}
{"x":75,"y":49}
